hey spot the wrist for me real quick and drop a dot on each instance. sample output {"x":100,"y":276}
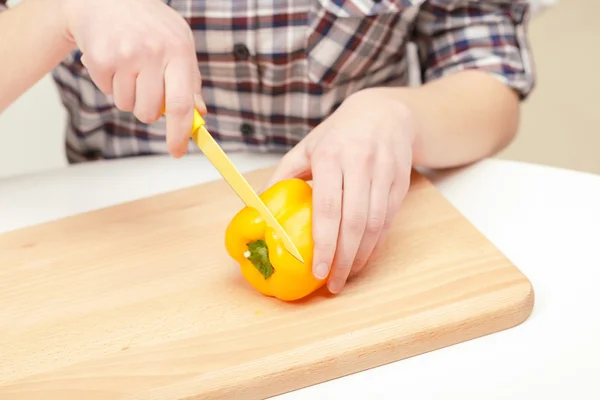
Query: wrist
{"x":395,"y":102}
{"x":51,"y":18}
{"x":61,"y":16}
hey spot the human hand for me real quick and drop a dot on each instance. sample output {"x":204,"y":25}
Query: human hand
{"x":359,"y":160}
{"x":142,"y":53}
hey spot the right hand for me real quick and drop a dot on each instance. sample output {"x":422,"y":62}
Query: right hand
{"x":142,"y":53}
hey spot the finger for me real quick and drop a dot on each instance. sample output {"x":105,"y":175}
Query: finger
{"x":198,"y":99}
{"x":397,"y":193}
{"x":179,"y":107}
{"x":355,"y":208}
{"x":327,"y":212}
{"x":150,"y":94}
{"x":295,"y":164}
{"x":124,"y":89}
{"x":101,"y":72}
{"x":381,"y":186}
{"x":197,"y":83}
{"x":200,"y":105}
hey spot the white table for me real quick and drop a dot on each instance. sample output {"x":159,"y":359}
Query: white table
{"x":546,"y":220}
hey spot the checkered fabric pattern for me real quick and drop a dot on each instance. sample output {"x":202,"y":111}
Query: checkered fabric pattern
{"x":274,"y":69}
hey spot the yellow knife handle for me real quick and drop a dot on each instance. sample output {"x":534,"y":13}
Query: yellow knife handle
{"x":198,"y":121}
{"x":196,"y":124}
{"x":217,"y":157}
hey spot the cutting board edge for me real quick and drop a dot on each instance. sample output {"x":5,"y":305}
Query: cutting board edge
{"x":251,"y":176}
{"x":304,"y":375}
{"x":455,"y":209}
{"x":131,"y":202}
{"x":526,"y":303}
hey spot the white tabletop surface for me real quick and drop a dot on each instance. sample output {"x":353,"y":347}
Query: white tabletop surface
{"x":546,"y":220}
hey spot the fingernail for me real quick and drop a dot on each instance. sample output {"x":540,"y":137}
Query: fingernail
{"x":321,"y":271}
{"x":334,"y":286}
{"x":200,"y":104}
{"x":178,"y":152}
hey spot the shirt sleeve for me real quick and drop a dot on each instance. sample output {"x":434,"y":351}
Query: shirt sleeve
{"x":488,"y":35}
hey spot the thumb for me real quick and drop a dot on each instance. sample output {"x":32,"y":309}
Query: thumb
{"x":295,"y":164}
{"x":198,"y":100}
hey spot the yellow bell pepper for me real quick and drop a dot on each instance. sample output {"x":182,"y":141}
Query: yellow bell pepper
{"x":263,"y":259}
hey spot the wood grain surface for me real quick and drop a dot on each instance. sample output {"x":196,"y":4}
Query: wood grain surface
{"x":140,"y":301}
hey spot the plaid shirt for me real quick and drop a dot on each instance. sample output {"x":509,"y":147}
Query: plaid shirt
{"x":274,"y":69}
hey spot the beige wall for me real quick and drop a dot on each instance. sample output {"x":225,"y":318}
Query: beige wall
{"x":559,"y":123}
{"x":561,"y":120}
{"x":31,"y":131}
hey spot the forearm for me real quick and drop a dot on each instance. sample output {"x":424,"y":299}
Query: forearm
{"x":459,"y":119}
{"x":32,"y":42}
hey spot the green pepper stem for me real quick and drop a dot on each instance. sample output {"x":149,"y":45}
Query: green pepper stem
{"x":258,"y":255}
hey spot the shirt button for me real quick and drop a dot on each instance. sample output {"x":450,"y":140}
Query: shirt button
{"x":241,"y":52}
{"x":247,"y":129}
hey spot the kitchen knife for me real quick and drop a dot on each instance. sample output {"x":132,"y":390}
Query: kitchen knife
{"x":236,"y":180}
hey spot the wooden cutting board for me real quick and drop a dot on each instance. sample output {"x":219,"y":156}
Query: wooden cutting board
{"x":140,"y":301}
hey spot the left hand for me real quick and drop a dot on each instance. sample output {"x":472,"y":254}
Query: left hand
{"x":359,"y":160}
